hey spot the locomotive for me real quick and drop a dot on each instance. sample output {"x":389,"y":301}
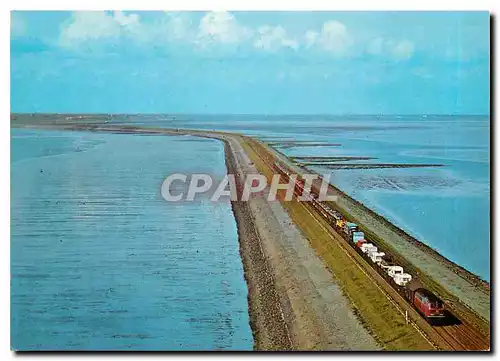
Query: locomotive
{"x":424,"y":301}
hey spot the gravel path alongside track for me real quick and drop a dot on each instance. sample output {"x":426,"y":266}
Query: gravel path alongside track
{"x":294,"y":301}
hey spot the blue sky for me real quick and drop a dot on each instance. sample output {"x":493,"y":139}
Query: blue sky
{"x":250,"y":62}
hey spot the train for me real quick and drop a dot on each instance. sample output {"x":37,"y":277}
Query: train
{"x":430,"y":307}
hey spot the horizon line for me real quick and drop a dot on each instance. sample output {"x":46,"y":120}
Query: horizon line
{"x":247,"y":114}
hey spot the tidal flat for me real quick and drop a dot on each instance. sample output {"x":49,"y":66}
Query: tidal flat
{"x":99,"y":261}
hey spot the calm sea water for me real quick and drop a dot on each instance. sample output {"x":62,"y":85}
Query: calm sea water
{"x":99,"y":261}
{"x":447,"y":208}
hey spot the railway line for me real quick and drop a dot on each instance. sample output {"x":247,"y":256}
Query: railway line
{"x":458,"y":336}
{"x":464,"y":335}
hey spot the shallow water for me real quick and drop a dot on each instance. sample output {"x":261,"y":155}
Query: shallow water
{"x":99,"y":261}
{"x":447,"y":208}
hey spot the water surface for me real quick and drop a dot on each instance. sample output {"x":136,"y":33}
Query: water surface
{"x":99,"y":261}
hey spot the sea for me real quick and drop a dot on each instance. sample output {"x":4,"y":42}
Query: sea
{"x":100,"y":261}
{"x":447,"y":208}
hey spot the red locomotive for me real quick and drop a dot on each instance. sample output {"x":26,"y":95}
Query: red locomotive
{"x":424,"y":301}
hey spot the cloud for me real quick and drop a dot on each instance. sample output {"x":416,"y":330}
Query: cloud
{"x":403,"y":50}
{"x":272,"y":38}
{"x":399,"y":50}
{"x":178,"y":26}
{"x":127,"y":21}
{"x":18,"y":26}
{"x":221,"y":27}
{"x":102,"y":30}
{"x":87,"y":26}
{"x":333,"y":38}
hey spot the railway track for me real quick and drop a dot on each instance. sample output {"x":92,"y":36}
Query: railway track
{"x":464,"y":335}
{"x":456,"y":337}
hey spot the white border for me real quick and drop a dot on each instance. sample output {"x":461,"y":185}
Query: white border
{"x":308,"y":5}
{"x":254,"y":5}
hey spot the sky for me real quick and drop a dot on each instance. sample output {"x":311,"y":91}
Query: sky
{"x":250,"y":62}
